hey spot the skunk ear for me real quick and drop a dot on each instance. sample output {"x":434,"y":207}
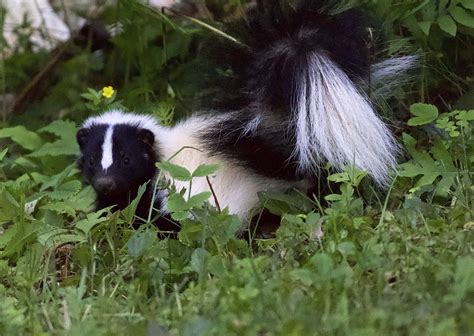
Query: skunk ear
{"x":146,"y":136}
{"x":82,"y":136}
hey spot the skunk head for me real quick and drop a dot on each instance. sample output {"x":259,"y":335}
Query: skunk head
{"x":117,"y":156}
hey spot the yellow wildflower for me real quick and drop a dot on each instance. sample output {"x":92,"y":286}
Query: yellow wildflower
{"x":108,"y":92}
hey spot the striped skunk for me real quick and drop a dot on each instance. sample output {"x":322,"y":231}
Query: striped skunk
{"x":297,"y":100}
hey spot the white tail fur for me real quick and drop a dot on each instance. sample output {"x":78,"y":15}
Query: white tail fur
{"x":335,"y":121}
{"x":389,"y":74}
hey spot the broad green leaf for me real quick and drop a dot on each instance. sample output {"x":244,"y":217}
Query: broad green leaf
{"x":23,"y":137}
{"x":409,"y":170}
{"x":346,"y":248}
{"x":198,"y":200}
{"x":176,"y":172}
{"x":84,"y":200}
{"x":61,"y":128}
{"x":442,"y":155}
{"x":179,"y":215}
{"x":66,"y":190}
{"x":58,"y":179}
{"x":199,"y":260}
{"x":9,"y":206}
{"x":51,"y":236}
{"x":305,"y":276}
{"x":190,"y":232}
{"x":20,"y":239}
{"x":205,"y":170}
{"x":176,"y":202}
{"x":447,"y":24}
{"x":92,"y":220}
{"x":8,"y":235}
{"x":424,"y":114}
{"x":425,"y":27}
{"x":339,"y":177}
{"x":66,"y":145}
{"x":469,"y":4}
{"x":140,"y":242}
{"x":429,"y":168}
{"x":60,"y":207}
{"x":462,"y":16}
{"x":333,"y":197}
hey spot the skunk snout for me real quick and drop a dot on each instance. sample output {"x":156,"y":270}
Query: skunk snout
{"x":105,"y":185}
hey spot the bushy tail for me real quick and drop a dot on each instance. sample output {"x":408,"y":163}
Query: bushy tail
{"x":316,"y":65}
{"x":335,"y":122}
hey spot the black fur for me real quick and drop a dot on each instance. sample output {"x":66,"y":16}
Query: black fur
{"x":276,"y":40}
{"x":267,"y":151}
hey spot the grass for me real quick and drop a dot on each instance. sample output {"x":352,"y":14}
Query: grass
{"x":403,"y":268}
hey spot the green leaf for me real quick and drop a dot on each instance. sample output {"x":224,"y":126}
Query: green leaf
{"x":3,"y":153}
{"x":447,"y":24}
{"x":61,"y":128}
{"x":469,"y":4}
{"x":20,"y":239}
{"x":409,"y":170}
{"x":58,"y":148}
{"x":60,"y":208}
{"x":198,"y":200}
{"x":305,"y":276}
{"x":92,"y":220}
{"x":129,"y":211}
{"x":57,"y":180}
{"x":177,"y":172}
{"x":205,"y":170}
{"x":50,"y":236}
{"x":140,"y":242}
{"x":23,"y":137}
{"x":425,"y":27}
{"x":176,"y":202}
{"x":430,"y":169}
{"x":66,"y":190}
{"x":463,"y":115}
{"x":424,"y":113}
{"x":346,"y":248}
{"x":88,"y":96}
{"x":462,"y":16}
{"x":199,"y":260}
{"x":66,"y":145}
{"x":190,"y":232}
{"x":8,"y":235}
{"x":179,"y":215}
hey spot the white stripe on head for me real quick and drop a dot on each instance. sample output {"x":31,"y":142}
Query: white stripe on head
{"x":117,"y":117}
{"x":107,"y":150}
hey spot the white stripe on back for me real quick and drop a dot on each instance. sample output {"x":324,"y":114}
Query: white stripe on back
{"x":107,"y":153}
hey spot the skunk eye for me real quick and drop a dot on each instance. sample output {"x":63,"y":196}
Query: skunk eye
{"x":126,"y":161}
{"x":91,"y":162}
